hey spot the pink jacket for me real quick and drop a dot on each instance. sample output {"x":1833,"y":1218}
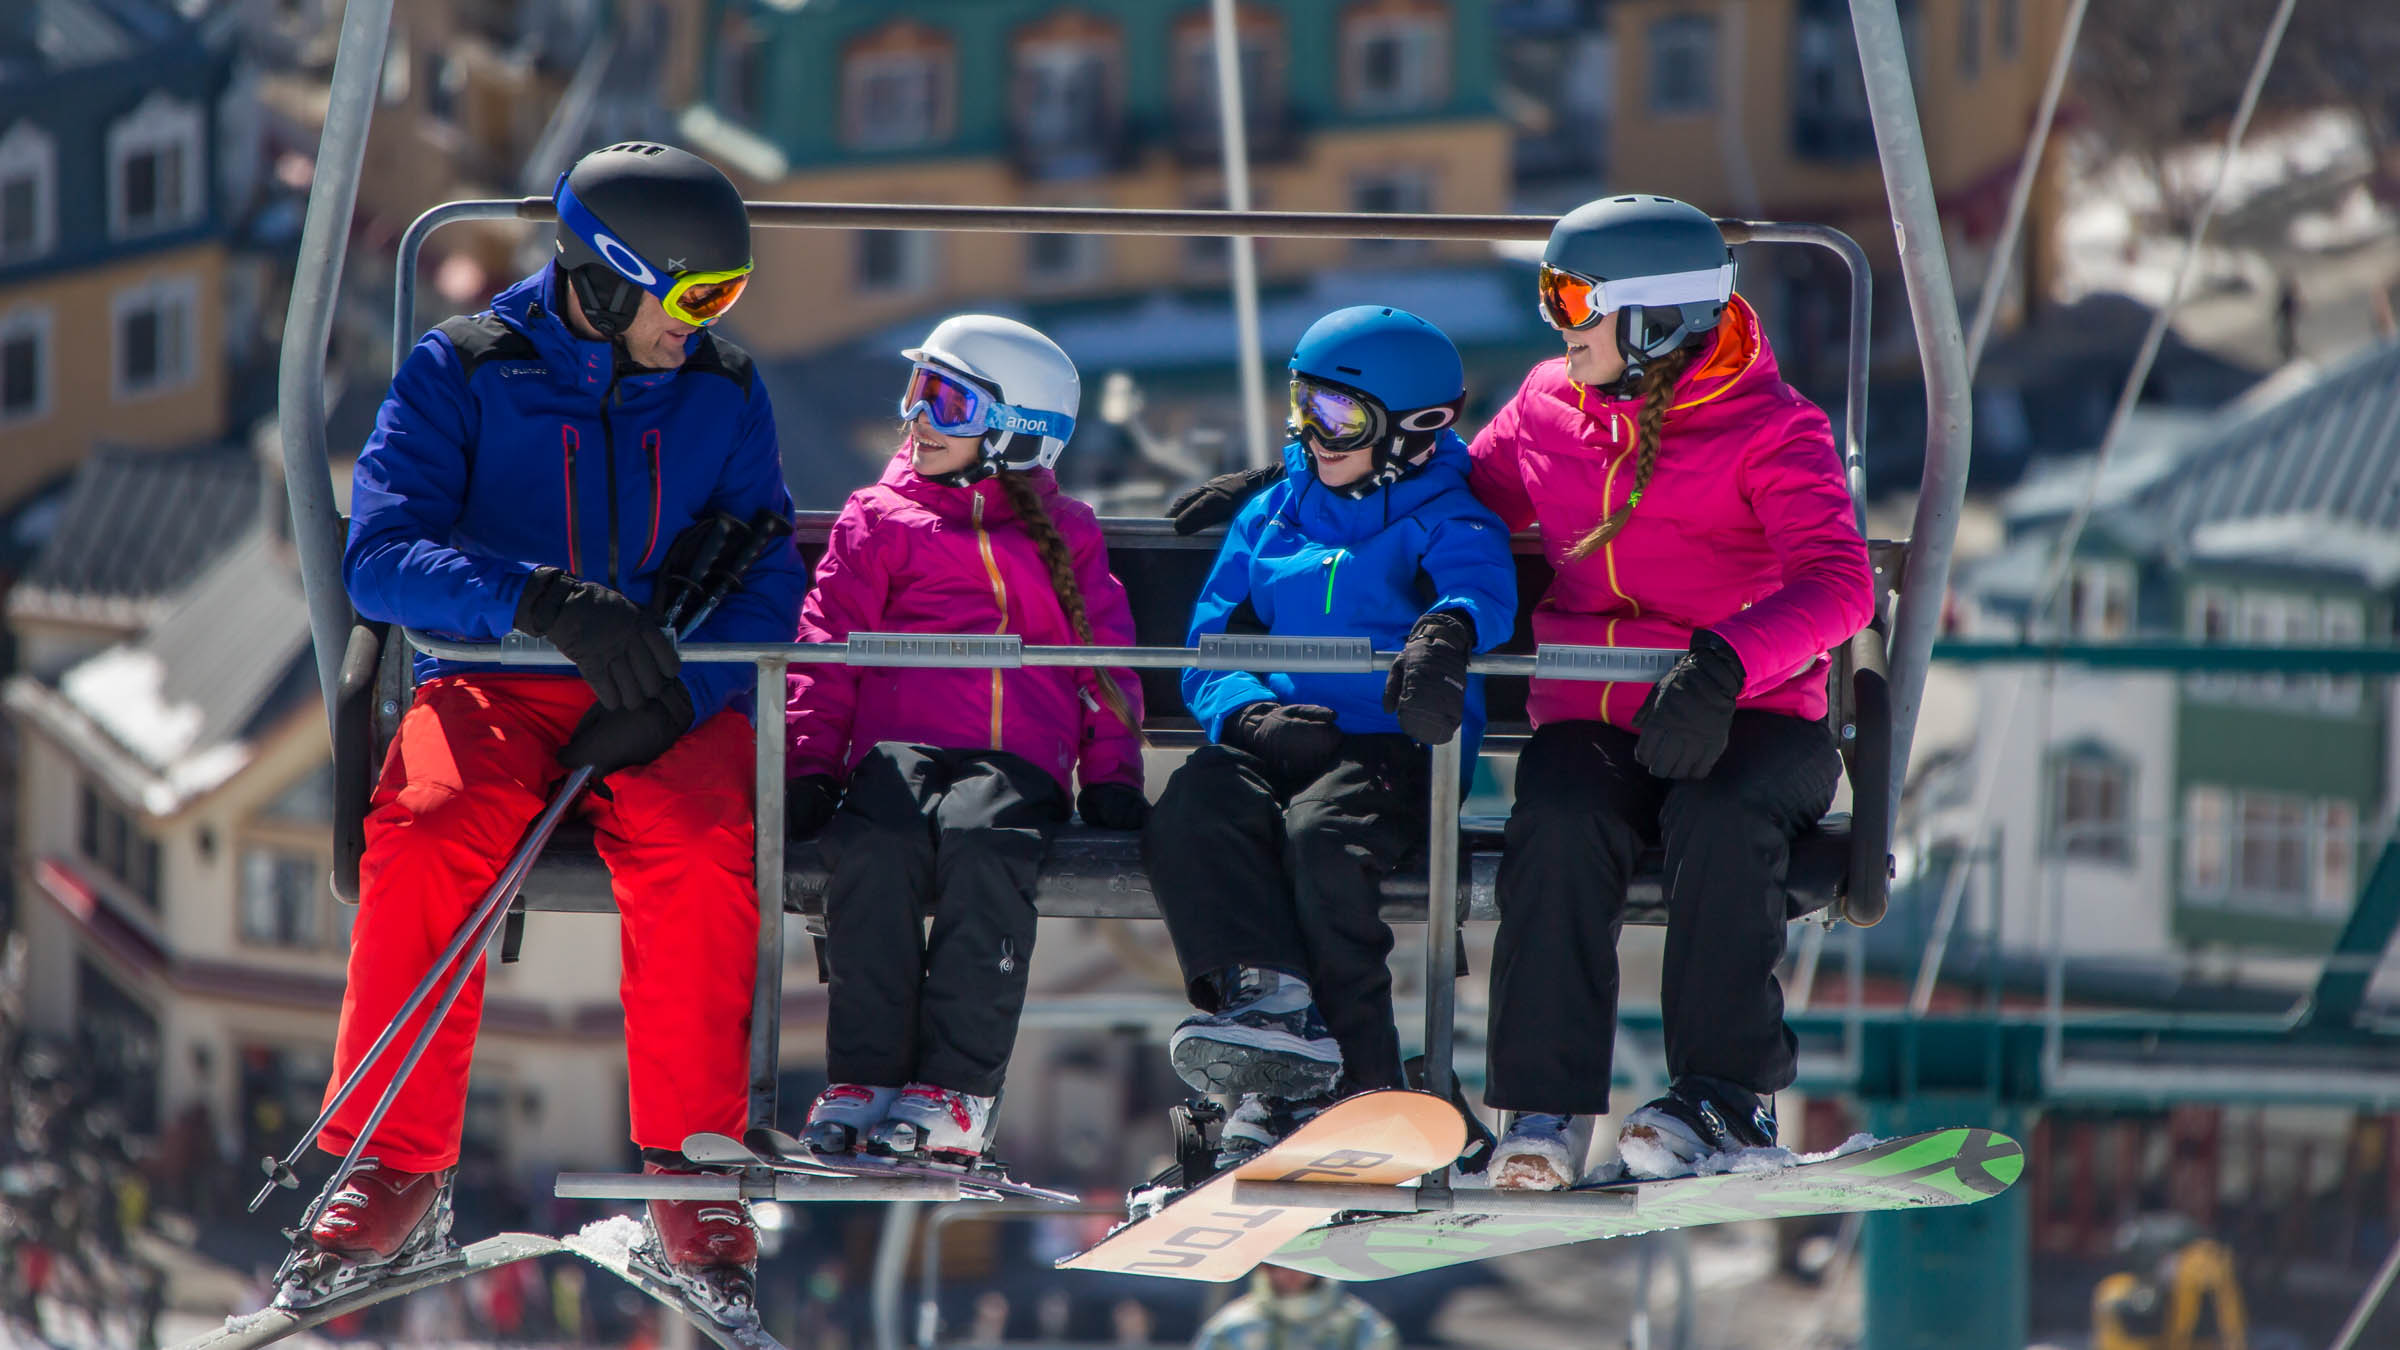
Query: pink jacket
{"x":1746,"y":528}
{"x":913,"y":556}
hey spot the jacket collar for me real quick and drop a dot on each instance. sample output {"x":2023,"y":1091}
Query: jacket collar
{"x":952,"y":502}
{"x":1331,"y":517}
{"x":534,"y":307}
{"x":1738,"y":358}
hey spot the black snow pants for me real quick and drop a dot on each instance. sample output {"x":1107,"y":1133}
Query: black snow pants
{"x":1252,"y":872}
{"x":1583,"y":813}
{"x":959,"y":833}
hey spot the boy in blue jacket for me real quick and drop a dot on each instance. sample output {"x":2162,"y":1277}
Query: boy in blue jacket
{"x":1268,"y":846}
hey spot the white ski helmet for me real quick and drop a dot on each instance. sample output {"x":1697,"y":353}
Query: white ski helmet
{"x":1037,"y":391}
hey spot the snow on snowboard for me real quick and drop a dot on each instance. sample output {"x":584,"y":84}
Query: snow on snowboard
{"x":1944,"y":1167}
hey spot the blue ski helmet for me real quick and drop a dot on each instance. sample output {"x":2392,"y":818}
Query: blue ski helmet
{"x":1374,"y":376}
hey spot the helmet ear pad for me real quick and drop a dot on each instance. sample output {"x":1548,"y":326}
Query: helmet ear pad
{"x":609,"y":301}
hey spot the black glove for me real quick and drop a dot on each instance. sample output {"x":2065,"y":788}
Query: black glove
{"x":609,"y":739}
{"x":1220,"y":498}
{"x":620,"y":651}
{"x":1683,"y":722}
{"x":1428,"y":683}
{"x":1112,"y":806}
{"x":1299,"y":741}
{"x":809,"y":801}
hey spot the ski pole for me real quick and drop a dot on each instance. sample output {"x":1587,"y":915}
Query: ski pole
{"x":768,"y":528}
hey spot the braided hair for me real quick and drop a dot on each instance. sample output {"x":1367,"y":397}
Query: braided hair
{"x":1656,"y":389}
{"x":1043,"y":531}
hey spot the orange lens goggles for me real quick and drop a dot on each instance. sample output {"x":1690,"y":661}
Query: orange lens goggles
{"x":700,"y":298}
{"x":1568,"y":301}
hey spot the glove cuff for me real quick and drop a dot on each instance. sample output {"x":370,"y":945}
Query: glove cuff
{"x":1720,"y":661}
{"x":545,"y":593}
{"x":1456,"y":619}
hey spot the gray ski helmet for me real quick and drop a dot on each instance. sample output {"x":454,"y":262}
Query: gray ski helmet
{"x":651,"y":211}
{"x":1662,"y":265}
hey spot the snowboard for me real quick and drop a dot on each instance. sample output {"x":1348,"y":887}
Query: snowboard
{"x":272,"y":1323}
{"x":1943,"y":1167}
{"x":779,"y":1150}
{"x":610,"y":1244}
{"x":1375,"y":1138}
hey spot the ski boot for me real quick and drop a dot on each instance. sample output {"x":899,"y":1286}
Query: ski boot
{"x":376,"y":1223}
{"x":708,"y":1249}
{"x":935,"y":1125}
{"x":1698,"y":1118}
{"x":1260,"y":1123}
{"x":843,"y":1114}
{"x":1266,"y":1036}
{"x":1540,"y":1152}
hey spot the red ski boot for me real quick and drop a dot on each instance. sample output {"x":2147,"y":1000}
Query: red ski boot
{"x":379,"y":1221}
{"x":710,"y":1249}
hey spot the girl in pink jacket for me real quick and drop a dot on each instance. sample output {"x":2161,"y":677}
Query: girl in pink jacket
{"x":1689,"y":498}
{"x":939,"y":789}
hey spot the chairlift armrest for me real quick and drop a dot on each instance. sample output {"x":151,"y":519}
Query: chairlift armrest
{"x":354,"y":766}
{"x":1868,"y":757}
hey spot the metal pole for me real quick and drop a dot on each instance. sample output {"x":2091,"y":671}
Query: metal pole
{"x":891,"y":1267}
{"x":2369,"y":1302}
{"x":1441,"y":919}
{"x":766,"y":997}
{"x":1933,"y":306}
{"x":316,"y":286}
{"x":2004,"y":249}
{"x":1233,"y":138}
{"x":2054,"y":580}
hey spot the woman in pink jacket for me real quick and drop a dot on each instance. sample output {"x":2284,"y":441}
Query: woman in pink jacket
{"x":1687,"y":498}
{"x":950,"y":783}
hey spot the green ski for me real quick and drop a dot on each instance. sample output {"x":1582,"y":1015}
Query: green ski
{"x":1945,"y":1167}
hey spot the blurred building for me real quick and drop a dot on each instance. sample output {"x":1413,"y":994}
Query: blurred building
{"x":116,"y":119}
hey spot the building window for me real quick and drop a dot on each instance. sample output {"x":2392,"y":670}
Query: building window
{"x":2271,"y":862}
{"x":283,"y":899}
{"x":2340,"y":623}
{"x":24,"y":365}
{"x":2100,"y":600}
{"x":741,"y":71}
{"x":445,"y":84}
{"x":1066,"y":107}
{"x":2010,"y":27}
{"x":894,"y":262}
{"x":1970,"y":39}
{"x":2091,"y":805}
{"x":1394,"y":62}
{"x":1829,"y":96}
{"x":2208,"y":614}
{"x":893,"y":100}
{"x":154,"y":332}
{"x":1259,"y":44}
{"x":1403,"y":191}
{"x":154,"y":168}
{"x":1063,"y":259}
{"x":2205,"y":844}
{"x":308,"y":800}
{"x":28,"y":193}
{"x":106,"y":834}
{"x":2337,"y":856}
{"x":1683,"y":57}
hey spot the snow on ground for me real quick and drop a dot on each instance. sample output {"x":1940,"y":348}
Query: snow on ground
{"x":2112,"y":236}
{"x":2357,"y":219}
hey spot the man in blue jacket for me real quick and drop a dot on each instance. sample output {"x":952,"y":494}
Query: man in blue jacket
{"x":1268,"y":847}
{"x":529,"y":470}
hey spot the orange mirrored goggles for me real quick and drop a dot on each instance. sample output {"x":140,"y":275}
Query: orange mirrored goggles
{"x":1569,"y":301}
{"x":701,"y":298}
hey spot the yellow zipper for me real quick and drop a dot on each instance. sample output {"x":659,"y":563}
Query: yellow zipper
{"x":991,"y":568}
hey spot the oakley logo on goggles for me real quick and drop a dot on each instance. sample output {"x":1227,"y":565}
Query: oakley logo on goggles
{"x":1570,"y":300}
{"x":695,"y":298}
{"x":958,"y":406}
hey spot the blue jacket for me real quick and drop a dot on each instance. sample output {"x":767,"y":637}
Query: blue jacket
{"x":1304,"y":561}
{"x":507,"y":443}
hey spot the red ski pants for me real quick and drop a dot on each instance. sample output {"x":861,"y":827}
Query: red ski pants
{"x":474,"y":763}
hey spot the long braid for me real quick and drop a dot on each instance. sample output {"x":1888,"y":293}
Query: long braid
{"x":1657,"y":389}
{"x":1043,"y":531}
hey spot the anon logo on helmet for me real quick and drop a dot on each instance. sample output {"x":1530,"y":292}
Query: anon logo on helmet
{"x":623,"y":259}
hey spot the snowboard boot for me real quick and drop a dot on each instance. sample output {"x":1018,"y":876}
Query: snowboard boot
{"x":934,"y":1124}
{"x":1540,"y":1152}
{"x":1266,"y":1037}
{"x":1698,"y":1118}
{"x":1260,"y":1123}
{"x":707,"y":1248}
{"x":378,"y":1222}
{"x":842,"y":1115}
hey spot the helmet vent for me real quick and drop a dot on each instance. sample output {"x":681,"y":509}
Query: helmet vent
{"x":1350,"y":370}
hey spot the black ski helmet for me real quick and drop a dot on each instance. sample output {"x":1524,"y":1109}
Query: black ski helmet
{"x":657,"y":210}
{"x":1666,"y":256}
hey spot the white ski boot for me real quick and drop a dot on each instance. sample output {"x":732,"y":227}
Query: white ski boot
{"x":843,"y":1114}
{"x":1697,"y":1118}
{"x":934,"y":1124}
{"x":1540,"y":1152}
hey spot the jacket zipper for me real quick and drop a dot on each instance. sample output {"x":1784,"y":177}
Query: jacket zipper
{"x":568,"y":439}
{"x":608,"y":440}
{"x":1333,"y":567}
{"x":650,"y":441}
{"x":991,"y":568}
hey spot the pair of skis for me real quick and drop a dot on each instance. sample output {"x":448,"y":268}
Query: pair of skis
{"x":775,"y":1151}
{"x":1341,"y":1197}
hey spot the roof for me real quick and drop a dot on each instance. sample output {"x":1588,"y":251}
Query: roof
{"x":137,"y":526}
{"x":177,"y":712}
